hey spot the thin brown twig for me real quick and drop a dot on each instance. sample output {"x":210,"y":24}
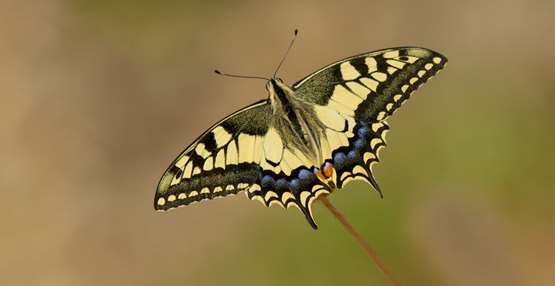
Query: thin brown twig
{"x":360,"y":240}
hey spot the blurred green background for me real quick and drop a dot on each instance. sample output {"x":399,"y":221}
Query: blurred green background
{"x":97,"y":97}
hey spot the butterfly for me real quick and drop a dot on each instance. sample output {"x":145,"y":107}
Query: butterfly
{"x":305,"y":140}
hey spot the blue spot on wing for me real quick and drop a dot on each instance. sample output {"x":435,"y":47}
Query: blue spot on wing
{"x":305,"y":175}
{"x":267,"y":181}
{"x":281,"y":184}
{"x":359,"y":143}
{"x":295,"y":185}
{"x":363,"y":131}
{"x":352,"y":155}
{"x":339,"y":160}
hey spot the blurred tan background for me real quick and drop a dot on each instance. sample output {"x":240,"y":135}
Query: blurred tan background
{"x":97,"y":97}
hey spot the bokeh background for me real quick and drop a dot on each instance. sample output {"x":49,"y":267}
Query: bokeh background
{"x":97,"y":97}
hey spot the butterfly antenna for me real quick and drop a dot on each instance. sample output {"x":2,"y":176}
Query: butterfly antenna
{"x":239,"y":76}
{"x":286,"y":52}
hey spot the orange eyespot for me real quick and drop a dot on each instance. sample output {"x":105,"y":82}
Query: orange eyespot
{"x":328,"y":170}
{"x":326,"y":173}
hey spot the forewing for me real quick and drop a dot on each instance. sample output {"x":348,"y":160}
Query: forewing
{"x":219,"y":163}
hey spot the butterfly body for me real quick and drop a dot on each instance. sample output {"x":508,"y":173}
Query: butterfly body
{"x":295,"y":121}
{"x":304,"y":140}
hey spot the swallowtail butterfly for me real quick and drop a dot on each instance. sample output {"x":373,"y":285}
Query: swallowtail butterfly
{"x":304,"y":140}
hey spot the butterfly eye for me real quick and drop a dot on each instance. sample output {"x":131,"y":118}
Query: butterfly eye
{"x":279,"y":79}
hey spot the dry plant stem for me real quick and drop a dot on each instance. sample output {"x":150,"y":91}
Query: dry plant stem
{"x":360,"y":240}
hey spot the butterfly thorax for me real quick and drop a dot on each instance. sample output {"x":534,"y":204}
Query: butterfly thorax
{"x":295,"y":121}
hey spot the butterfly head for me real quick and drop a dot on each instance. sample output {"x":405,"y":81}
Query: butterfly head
{"x":273,"y":82}
{"x":278,"y":92}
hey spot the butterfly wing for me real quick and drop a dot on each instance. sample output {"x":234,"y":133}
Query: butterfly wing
{"x":219,"y":163}
{"x":363,"y":91}
{"x":242,"y":152}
